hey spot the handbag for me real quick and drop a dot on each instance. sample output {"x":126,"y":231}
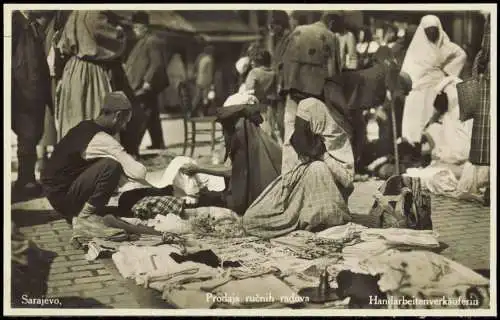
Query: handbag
{"x":468,"y":97}
{"x":401,"y":202}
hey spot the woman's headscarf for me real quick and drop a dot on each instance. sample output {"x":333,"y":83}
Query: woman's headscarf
{"x":315,"y":115}
{"x":423,"y":56}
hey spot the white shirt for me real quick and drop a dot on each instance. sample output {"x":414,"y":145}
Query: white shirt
{"x":104,"y":145}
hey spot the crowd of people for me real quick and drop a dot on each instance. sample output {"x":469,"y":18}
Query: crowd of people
{"x":327,"y":104}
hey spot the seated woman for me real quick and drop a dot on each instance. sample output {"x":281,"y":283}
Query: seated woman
{"x":448,"y":137}
{"x":253,"y":158}
{"x":312,"y":196}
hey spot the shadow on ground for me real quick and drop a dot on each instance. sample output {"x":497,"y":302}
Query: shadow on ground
{"x":30,"y":280}
{"x":27,"y":218}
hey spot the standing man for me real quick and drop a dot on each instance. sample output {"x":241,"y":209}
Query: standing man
{"x":204,"y":69}
{"x":146,"y":70}
{"x":88,"y":163}
{"x":30,"y":96}
{"x":311,"y":56}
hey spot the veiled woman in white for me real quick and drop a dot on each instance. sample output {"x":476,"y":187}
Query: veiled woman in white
{"x":430,"y":58}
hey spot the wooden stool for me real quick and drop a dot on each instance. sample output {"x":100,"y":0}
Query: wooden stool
{"x":190,"y":123}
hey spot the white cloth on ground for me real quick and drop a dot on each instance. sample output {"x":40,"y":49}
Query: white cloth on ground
{"x":441,"y":181}
{"x":132,"y":261}
{"x":170,"y":223}
{"x":403,"y":237}
{"x":345,"y":231}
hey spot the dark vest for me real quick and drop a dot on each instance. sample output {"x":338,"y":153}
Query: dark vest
{"x":66,"y":162}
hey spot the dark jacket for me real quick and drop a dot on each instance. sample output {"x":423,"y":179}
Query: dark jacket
{"x":255,"y":157}
{"x":30,"y":71}
{"x":147,"y":62}
{"x":66,"y":162}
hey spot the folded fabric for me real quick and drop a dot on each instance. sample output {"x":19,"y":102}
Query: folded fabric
{"x":220,"y":246}
{"x":437,"y":180}
{"x":149,"y":207}
{"x":141,"y":241}
{"x":180,"y":280}
{"x":346,"y":231}
{"x":170,"y":172}
{"x":159,"y":281}
{"x":400,"y":237}
{"x":360,"y":251}
{"x":213,"y":183}
{"x":307,"y":245}
{"x":170,"y":223}
{"x":113,"y":222}
{"x":132,"y":261}
{"x":299,"y":281}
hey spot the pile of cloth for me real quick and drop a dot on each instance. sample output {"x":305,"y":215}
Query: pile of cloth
{"x":200,"y":270}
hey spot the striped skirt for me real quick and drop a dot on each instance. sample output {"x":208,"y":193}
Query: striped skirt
{"x":80,"y":94}
{"x":480,"y":141}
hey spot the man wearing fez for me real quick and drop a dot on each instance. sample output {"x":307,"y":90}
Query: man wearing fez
{"x":87,"y":165}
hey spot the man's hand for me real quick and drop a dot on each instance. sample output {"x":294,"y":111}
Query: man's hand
{"x":146,"y":87}
{"x":189,"y":169}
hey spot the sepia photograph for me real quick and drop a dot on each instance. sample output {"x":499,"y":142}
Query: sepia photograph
{"x":239,"y":159}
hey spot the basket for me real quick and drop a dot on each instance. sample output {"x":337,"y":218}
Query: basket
{"x":468,"y":98}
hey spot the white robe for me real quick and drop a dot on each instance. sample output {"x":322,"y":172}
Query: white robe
{"x":427,"y":64}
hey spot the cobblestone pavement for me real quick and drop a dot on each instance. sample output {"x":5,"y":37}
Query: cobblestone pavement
{"x":464,"y":227}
